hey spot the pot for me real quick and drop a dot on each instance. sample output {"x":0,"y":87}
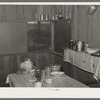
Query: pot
{"x":55,"y":68}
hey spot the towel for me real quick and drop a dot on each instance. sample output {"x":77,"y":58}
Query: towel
{"x":97,"y":72}
{"x":78,"y":59}
{"x":95,"y":63}
{"x":68,"y":55}
{"x":88,"y":63}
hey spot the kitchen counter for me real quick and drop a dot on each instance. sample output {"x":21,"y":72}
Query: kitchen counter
{"x":83,"y":61}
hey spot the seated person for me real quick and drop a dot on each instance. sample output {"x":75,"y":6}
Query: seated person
{"x":26,"y":66}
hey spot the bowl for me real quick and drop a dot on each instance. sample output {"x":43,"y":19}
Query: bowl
{"x":55,"y":68}
{"x":91,"y":50}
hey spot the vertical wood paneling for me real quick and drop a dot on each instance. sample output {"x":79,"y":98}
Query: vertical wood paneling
{"x":2,"y":64}
{"x":7,"y":12}
{"x":18,"y":61}
{"x":89,"y":34}
{"x":81,"y":23}
{"x":74,"y":23}
{"x":95,"y":30}
{"x":52,"y":11}
{"x":23,"y":56}
{"x":40,"y":11}
{"x":20,"y":12}
{"x":6,"y":64}
{"x":33,"y":12}
{"x":36,"y":13}
{"x":1,"y":12}
{"x":98,"y":27}
{"x":88,"y":26}
{"x":27,"y":12}
{"x":13,"y":64}
{"x":14,"y":12}
{"x":85,"y":24}
{"x":79,"y":19}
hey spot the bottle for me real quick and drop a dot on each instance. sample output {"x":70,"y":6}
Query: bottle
{"x":46,"y":17}
{"x":38,"y":74}
{"x":66,"y":16}
{"x":43,"y":75}
{"x":41,"y":17}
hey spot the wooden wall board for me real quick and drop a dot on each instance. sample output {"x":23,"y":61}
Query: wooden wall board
{"x":98,"y":27}
{"x":74,"y":23}
{"x":86,"y":27}
{"x":13,"y":37}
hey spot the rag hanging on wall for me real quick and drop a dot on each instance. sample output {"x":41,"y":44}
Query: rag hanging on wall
{"x":92,"y":9}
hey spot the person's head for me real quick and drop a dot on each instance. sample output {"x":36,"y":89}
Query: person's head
{"x":27,"y":64}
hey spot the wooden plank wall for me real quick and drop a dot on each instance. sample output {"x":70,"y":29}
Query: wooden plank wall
{"x":10,"y":63}
{"x":26,"y":13}
{"x":86,"y":27}
{"x":31,"y":12}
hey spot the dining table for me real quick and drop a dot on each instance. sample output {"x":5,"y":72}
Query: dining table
{"x":63,"y":81}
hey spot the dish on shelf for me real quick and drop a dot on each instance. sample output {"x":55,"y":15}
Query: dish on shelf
{"x":57,"y":73}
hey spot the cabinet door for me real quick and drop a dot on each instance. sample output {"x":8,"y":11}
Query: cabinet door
{"x":62,"y":35}
{"x":39,"y":37}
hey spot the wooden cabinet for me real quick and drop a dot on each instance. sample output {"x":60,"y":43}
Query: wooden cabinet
{"x":61,"y":34}
{"x":39,"y":36}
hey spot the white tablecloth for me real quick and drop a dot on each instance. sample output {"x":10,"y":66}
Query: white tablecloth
{"x":84,"y":61}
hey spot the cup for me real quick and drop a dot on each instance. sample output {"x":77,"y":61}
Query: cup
{"x":49,"y":81}
{"x":38,"y":84}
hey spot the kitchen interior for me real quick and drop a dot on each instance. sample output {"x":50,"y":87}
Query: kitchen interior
{"x":49,"y":46}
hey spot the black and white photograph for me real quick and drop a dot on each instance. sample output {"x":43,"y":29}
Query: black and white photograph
{"x":49,"y":46}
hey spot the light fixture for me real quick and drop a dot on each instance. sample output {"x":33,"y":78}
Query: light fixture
{"x":92,"y":9}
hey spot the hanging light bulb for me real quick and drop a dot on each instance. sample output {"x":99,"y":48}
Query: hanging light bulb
{"x":92,"y":9}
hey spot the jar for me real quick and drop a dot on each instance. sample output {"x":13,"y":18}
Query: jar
{"x":71,"y":44}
